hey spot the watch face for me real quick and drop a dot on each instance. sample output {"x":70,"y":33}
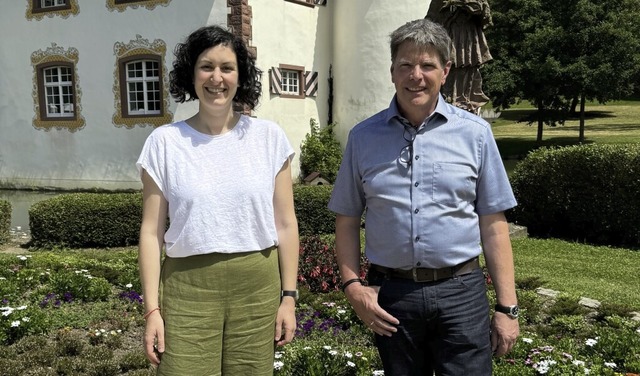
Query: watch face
{"x":514,"y":311}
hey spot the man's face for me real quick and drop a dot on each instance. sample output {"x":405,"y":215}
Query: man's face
{"x":417,"y":74}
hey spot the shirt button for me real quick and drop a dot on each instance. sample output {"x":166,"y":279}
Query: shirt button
{"x":417,"y":238}
{"x":417,"y":184}
{"x":416,"y":211}
{"x":417,"y":157}
{"x":418,"y":264}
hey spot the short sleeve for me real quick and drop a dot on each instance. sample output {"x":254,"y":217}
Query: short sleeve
{"x":152,"y":160}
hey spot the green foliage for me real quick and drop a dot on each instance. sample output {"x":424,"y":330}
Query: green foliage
{"x":310,"y":203}
{"x":318,"y":270}
{"x":112,"y":220}
{"x":87,"y":220}
{"x":552,"y":53}
{"x":80,"y":285}
{"x":320,"y":152}
{"x":586,"y":192}
{"x":5,"y":221}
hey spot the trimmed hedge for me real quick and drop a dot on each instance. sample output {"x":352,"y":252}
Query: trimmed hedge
{"x":86,"y":220}
{"x":310,"y":202}
{"x":586,"y":193}
{"x":5,"y":221}
{"x":81,"y":220}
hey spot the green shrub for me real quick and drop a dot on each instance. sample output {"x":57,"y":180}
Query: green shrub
{"x":310,"y":202}
{"x":585,"y":193}
{"x":87,"y":220}
{"x":318,"y":269}
{"x":320,"y":152}
{"x":5,"y":221}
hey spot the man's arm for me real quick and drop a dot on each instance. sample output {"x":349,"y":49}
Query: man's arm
{"x":364,"y":299}
{"x":494,"y":231}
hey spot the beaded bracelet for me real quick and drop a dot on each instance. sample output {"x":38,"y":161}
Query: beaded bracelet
{"x":344,"y":285}
{"x":146,"y":315}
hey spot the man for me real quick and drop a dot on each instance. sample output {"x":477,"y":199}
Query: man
{"x":434,"y":188}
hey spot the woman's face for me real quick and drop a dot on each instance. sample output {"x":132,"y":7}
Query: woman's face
{"x":215,"y":77}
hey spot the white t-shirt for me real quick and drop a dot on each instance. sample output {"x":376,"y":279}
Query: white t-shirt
{"x":219,"y":188}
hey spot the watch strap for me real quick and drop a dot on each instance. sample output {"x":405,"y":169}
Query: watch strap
{"x":512,"y":310}
{"x":291,"y":293}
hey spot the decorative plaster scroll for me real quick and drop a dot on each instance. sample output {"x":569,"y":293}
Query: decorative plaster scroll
{"x":56,"y":53}
{"x":38,"y":14}
{"x":149,"y":4}
{"x":140,"y":46}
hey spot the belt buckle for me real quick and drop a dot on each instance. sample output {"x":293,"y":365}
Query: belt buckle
{"x":417,"y":278}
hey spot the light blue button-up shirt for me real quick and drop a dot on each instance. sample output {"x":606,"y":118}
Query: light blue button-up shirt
{"x":425,"y":214}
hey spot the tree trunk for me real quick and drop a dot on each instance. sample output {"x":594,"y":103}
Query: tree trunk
{"x":540,"y":123}
{"x":581,"y":135}
{"x":574,"y":104}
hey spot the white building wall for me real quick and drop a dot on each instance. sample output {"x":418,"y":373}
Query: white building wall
{"x":362,"y":57}
{"x":100,"y":155}
{"x":350,"y":35}
{"x":293,"y":34}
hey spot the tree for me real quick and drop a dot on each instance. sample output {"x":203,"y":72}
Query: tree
{"x":553,"y":53}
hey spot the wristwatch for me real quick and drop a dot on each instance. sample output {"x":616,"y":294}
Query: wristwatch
{"x":512,"y":311}
{"x":292,"y":293}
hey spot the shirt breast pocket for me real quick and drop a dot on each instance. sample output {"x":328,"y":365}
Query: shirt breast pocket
{"x":453,"y":184}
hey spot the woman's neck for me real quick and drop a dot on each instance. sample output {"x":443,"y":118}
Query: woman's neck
{"x":212,"y":124}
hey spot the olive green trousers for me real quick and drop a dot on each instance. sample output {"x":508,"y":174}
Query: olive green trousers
{"x":219,"y":312}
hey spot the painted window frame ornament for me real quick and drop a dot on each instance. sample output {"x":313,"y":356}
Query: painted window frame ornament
{"x":56,"y":56}
{"x":35,"y":10}
{"x":122,"y":5}
{"x":137,"y":50}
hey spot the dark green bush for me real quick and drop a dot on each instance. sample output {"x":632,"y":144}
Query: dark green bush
{"x":5,"y":221}
{"x":586,"y":193}
{"x":319,"y":272}
{"x":83,"y":220}
{"x":87,"y":220}
{"x":320,"y":152}
{"x":310,"y":203}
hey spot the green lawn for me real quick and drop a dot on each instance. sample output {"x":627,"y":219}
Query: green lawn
{"x":601,"y":273}
{"x":615,"y":122}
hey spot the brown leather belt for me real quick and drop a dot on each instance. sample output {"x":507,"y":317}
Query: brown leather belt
{"x":430,"y":275}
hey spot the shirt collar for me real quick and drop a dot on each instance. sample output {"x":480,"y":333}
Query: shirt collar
{"x":394,"y":113}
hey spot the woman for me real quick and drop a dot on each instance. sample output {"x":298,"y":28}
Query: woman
{"x":227,"y":286}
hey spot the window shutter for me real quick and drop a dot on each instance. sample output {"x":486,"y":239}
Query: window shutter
{"x":275,"y":81}
{"x":310,"y":83}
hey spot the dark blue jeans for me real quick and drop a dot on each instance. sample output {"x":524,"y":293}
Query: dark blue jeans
{"x":444,"y":326}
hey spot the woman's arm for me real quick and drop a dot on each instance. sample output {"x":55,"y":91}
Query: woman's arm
{"x":288,"y":252}
{"x":154,"y":219}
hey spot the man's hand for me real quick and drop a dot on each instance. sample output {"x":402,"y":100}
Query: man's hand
{"x":504,"y":333}
{"x":364,"y":300}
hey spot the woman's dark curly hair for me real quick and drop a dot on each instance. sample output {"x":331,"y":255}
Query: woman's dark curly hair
{"x":181,"y":76}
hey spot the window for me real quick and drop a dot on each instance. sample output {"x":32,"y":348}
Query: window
{"x":122,"y":5}
{"x":58,"y":92}
{"x":143,"y":88}
{"x":141,"y":82}
{"x":38,"y":9}
{"x":291,"y":81}
{"x":309,"y":3}
{"x":50,"y":5}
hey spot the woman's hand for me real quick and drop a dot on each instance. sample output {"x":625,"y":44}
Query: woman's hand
{"x":154,"y":338}
{"x":286,"y":321}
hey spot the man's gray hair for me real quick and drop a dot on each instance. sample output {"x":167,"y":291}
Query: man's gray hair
{"x":424,"y":33}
